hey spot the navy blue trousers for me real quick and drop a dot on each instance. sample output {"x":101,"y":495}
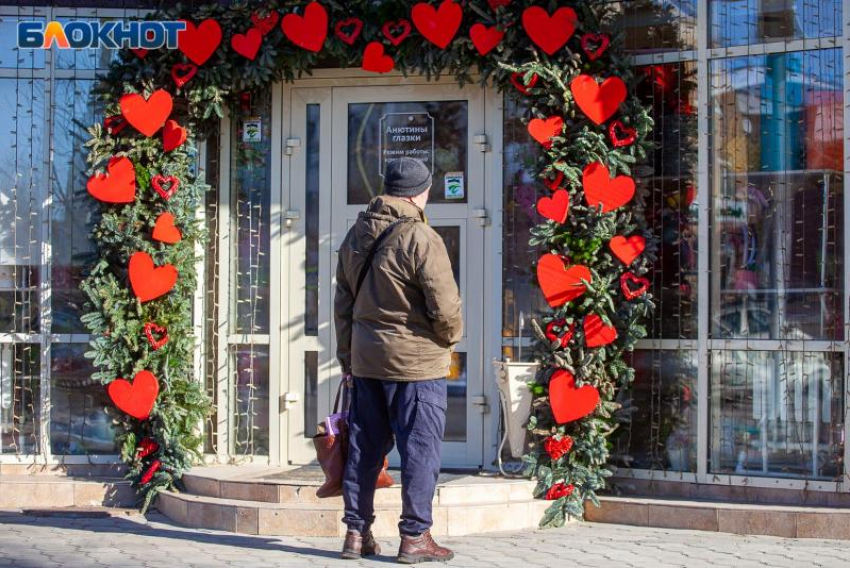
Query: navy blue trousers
{"x":415,"y":414}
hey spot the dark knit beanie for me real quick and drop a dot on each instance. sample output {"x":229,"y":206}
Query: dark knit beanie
{"x":406,"y":177}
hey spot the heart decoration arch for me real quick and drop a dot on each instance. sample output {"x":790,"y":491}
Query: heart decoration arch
{"x":562,"y":62}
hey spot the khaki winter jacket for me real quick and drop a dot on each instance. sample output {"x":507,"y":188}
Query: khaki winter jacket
{"x":408,"y":316}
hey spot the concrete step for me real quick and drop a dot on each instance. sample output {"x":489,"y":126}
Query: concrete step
{"x":325,"y":519}
{"x":52,"y":491}
{"x":738,"y":518}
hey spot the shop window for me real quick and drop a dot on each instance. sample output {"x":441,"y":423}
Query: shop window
{"x":20,"y":398}
{"x":250,"y":364}
{"x":653,"y":26}
{"x":10,"y":56}
{"x":84,"y":59}
{"x":747,"y":22}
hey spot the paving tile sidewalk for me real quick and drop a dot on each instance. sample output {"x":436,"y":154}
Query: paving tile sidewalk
{"x":128,"y":540}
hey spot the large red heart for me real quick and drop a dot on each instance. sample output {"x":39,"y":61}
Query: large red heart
{"x":265,"y":23}
{"x":117,"y":185}
{"x":629,"y":292}
{"x":199,"y":43}
{"x":156,"y":342}
{"x":374,"y":59}
{"x":556,"y":207}
{"x":558,"y":283}
{"x":594,"y":45}
{"x":396,"y":31}
{"x":147,"y":115}
{"x":627,"y":249}
{"x":543,"y":130}
{"x":136,"y":399}
{"x":165,"y":186}
{"x":598,"y":102}
{"x":308,"y":31}
{"x":549,"y":33}
{"x":247,"y":44}
{"x":518,"y":81}
{"x":600,"y":189}
{"x":437,"y":25}
{"x":597,"y":333}
{"x":182,"y":73}
{"x":165,"y":231}
{"x":568,"y":402}
{"x":485,"y":39}
{"x":348,"y":30}
{"x":148,"y":281}
{"x":173,"y":135}
{"x":620,"y":134}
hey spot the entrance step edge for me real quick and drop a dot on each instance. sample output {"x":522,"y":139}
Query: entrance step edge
{"x":48,"y":491}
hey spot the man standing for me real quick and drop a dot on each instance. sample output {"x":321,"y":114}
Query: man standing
{"x":398,"y":314}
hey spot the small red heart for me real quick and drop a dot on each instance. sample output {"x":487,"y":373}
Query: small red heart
{"x":165,"y":231}
{"x":518,"y":82}
{"x":173,"y":135}
{"x":198,"y":43}
{"x":543,"y":130}
{"x":552,"y":336}
{"x":620,"y":134}
{"x":374,"y":59}
{"x":627,"y":250}
{"x":136,"y":399}
{"x":308,"y":31}
{"x":117,"y":185}
{"x":147,"y":477}
{"x":156,"y":342}
{"x":396,"y":31}
{"x":598,"y":102}
{"x":494,"y":4}
{"x":558,"y":283}
{"x":140,"y":52}
{"x":485,"y":39}
{"x":630,"y":277}
{"x":147,"y":115}
{"x":437,"y":25}
{"x":549,"y":33}
{"x":354,"y":25}
{"x":600,"y":189}
{"x":554,"y":183}
{"x":159,"y":181}
{"x":556,"y":207}
{"x":114,"y":124}
{"x":247,"y":44}
{"x":568,"y":402}
{"x":594,"y":45}
{"x":148,"y":281}
{"x":146,"y":447}
{"x":597,"y":333}
{"x":265,"y":23}
{"x":182,"y":73}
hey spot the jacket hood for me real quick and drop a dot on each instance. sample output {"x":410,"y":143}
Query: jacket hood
{"x":382,"y":211}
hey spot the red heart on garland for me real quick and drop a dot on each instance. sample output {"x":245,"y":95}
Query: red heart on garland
{"x":485,"y":39}
{"x":265,"y":23}
{"x":147,"y":115}
{"x":554,"y":183}
{"x":620,"y":134}
{"x":600,"y":189}
{"x":148,"y":281}
{"x":556,"y":207}
{"x":136,"y":399}
{"x":140,"y":52}
{"x":145,"y":448}
{"x":568,"y":402}
{"x":117,"y":185}
{"x":172,"y":183}
{"x":549,"y":33}
{"x":597,"y":333}
{"x":627,"y":250}
{"x":355,"y":25}
{"x":164,"y":230}
{"x":182,"y":73}
{"x":437,"y":25}
{"x":594,"y":45}
{"x":114,"y":124}
{"x":374,"y":59}
{"x":518,"y":82}
{"x":558,"y":283}
{"x":544,"y":130}
{"x":630,"y":277}
{"x":198,"y":43}
{"x":247,"y":44}
{"x":147,"y":477}
{"x":552,"y":336}
{"x":396,"y":31}
{"x":308,"y":31}
{"x":497,"y":3}
{"x":156,"y":342}
{"x":173,"y":135}
{"x":598,"y":102}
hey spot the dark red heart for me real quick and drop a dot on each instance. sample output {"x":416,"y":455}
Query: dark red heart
{"x":117,"y":185}
{"x":198,"y":43}
{"x":485,"y":39}
{"x":517,"y":81}
{"x":182,"y":73}
{"x":148,"y":281}
{"x":115,"y":124}
{"x":437,"y":25}
{"x":630,"y":278}
{"x":620,"y":134}
{"x":156,"y":342}
{"x":558,"y":283}
{"x":396,"y":31}
{"x":374,"y":59}
{"x":567,"y":333}
{"x":146,"y":447}
{"x":248,"y":44}
{"x":348,"y":30}
{"x":556,"y":207}
{"x":308,"y":31}
{"x":549,"y":33}
{"x":543,"y":130}
{"x":627,"y":249}
{"x":136,"y":398}
{"x":594,"y":45}
{"x":497,"y":3}
{"x":601,"y":189}
{"x":597,"y":333}
{"x":568,"y":402}
{"x":173,"y":135}
{"x":598,"y":102}
{"x":265,"y":23}
{"x":140,"y":52}
{"x":165,"y":186}
{"x":554,"y":183}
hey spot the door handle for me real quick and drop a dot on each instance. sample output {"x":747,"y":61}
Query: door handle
{"x":481,"y":402}
{"x":482,"y":216}
{"x":290,"y":216}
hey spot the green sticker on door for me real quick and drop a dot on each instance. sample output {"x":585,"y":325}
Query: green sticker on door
{"x":454,"y":185}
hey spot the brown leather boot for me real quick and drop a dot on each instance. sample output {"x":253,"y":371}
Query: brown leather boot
{"x":358,"y":545}
{"x":422,"y":548}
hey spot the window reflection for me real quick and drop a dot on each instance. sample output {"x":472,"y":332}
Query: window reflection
{"x":652,"y":26}
{"x":20,"y":398}
{"x":457,"y":390}
{"x":451,"y":238}
{"x":10,"y":56}
{"x":742,"y":22}
{"x":251,"y":408}
{"x":311,"y":221}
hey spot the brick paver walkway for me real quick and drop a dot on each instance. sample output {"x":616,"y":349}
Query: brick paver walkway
{"x":129,"y":540}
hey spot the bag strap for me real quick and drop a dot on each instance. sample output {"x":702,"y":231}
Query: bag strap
{"x":371,"y":256}
{"x":343,"y":384}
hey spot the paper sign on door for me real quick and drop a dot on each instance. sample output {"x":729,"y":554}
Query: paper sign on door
{"x":454,"y":185}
